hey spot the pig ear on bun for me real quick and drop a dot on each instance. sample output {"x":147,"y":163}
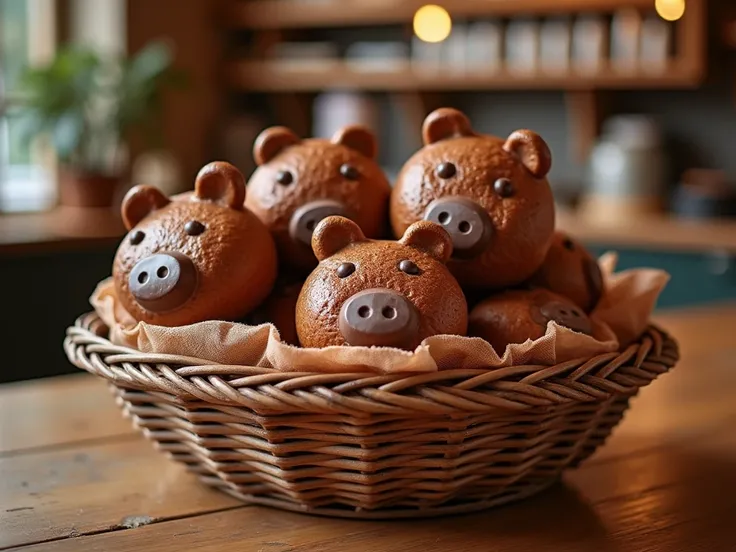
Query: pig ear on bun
{"x":445,"y":123}
{"x":430,"y":238}
{"x":333,"y":234}
{"x":531,"y":150}
{"x":357,"y":138}
{"x":221,"y":183}
{"x":139,"y":202}
{"x":271,"y":142}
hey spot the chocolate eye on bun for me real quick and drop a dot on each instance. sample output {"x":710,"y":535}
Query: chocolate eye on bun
{"x":518,"y":315}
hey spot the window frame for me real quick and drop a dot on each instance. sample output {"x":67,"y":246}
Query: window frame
{"x":30,"y":187}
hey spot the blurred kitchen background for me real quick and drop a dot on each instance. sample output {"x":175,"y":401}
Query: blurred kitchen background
{"x":636,"y":98}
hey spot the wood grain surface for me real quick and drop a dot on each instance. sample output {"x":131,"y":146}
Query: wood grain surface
{"x":73,"y":491}
{"x":55,"y":411}
{"x":663,"y":483}
{"x":273,"y":76}
{"x":285,"y":14}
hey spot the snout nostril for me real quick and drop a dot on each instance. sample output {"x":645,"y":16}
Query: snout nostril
{"x":310,"y":225}
{"x":564,"y":312}
{"x":163,"y":281}
{"x":467,"y":222}
{"x":389,"y":312}
{"x":575,"y":313}
{"x":379,"y":317}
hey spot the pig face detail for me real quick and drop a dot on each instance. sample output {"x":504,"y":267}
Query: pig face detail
{"x":517,"y":315}
{"x":300,"y":182}
{"x":196,"y":256}
{"x":379,"y":293}
{"x":490,"y":194}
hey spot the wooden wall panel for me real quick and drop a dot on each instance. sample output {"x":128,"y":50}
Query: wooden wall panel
{"x":190,"y":116}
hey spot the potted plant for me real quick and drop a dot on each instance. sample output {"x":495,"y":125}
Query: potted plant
{"x":88,"y":105}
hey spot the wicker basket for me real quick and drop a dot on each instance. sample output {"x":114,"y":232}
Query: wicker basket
{"x":373,"y":446}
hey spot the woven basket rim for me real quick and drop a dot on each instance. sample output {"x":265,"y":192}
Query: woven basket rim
{"x":516,"y":388}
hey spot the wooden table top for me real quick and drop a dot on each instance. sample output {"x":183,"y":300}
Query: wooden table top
{"x":75,"y":477}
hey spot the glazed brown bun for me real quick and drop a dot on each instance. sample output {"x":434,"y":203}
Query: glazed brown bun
{"x":280,"y":310}
{"x":300,"y":182}
{"x":379,"y":293}
{"x":515,"y":316}
{"x":570,"y":270}
{"x":491,"y":194}
{"x":196,"y":256}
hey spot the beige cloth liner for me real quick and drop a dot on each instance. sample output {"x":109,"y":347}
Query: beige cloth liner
{"x":622,"y":315}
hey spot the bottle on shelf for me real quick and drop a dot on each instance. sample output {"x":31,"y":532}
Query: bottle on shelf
{"x":589,"y":38}
{"x":627,"y":171}
{"x":484,"y":46}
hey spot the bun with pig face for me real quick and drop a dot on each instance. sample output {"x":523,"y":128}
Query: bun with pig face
{"x":517,"y":315}
{"x":196,"y":256}
{"x":570,"y":270}
{"x":379,"y":293}
{"x":490,"y":194}
{"x":300,"y":182}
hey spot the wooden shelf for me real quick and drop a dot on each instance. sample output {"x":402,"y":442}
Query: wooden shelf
{"x":63,"y":228}
{"x":656,"y":232}
{"x":292,"y":14}
{"x":271,"y":76}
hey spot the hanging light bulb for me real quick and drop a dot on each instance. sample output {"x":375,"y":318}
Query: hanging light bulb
{"x":670,"y":10}
{"x":432,"y":23}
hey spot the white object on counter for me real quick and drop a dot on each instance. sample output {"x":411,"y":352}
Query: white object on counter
{"x":555,"y":45}
{"x":522,"y":46}
{"x":627,"y":169}
{"x":334,"y":110}
{"x":484,"y":46}
{"x":656,"y":37}
{"x":589,"y":44}
{"x":625,"y":36}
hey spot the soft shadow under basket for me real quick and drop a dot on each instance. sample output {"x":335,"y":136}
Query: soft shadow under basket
{"x":373,"y":446}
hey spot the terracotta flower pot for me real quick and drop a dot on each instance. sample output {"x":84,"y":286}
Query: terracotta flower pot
{"x":78,"y":189}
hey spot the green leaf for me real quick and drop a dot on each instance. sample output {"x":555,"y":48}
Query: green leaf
{"x":29,"y":125}
{"x":81,"y":99}
{"x":150,"y":62}
{"x":68,"y":133}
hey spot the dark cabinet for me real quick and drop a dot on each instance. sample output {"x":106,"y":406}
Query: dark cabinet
{"x":43,"y":294}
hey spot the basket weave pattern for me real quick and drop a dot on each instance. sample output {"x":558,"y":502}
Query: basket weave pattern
{"x":371,"y":446}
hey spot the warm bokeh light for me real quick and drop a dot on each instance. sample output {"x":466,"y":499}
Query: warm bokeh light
{"x":670,"y":10}
{"x":432,"y":23}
